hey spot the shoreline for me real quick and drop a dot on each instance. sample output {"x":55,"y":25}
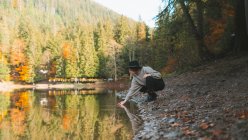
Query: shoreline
{"x":208,"y":102}
{"x":10,"y":86}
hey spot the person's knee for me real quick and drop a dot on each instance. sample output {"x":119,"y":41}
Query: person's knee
{"x":161,"y":84}
{"x":149,"y":81}
{"x":149,"y":78}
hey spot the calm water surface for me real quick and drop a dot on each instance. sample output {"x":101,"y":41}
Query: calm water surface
{"x":64,"y":114}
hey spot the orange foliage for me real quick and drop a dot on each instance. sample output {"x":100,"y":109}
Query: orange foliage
{"x":217,"y":27}
{"x":18,"y":113}
{"x":68,"y":119}
{"x":23,"y":72}
{"x":17,"y":121}
{"x":17,"y":55}
{"x":171,"y":65}
{"x":66,"y":122}
{"x":23,"y":101}
{"x":141,"y":31}
{"x":66,"y":48}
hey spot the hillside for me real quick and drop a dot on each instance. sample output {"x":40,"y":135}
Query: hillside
{"x":66,"y":11}
{"x":65,"y":38}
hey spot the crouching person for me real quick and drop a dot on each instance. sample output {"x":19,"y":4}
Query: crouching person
{"x":144,"y":79}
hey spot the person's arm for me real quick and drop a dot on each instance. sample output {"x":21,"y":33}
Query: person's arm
{"x":135,"y":87}
{"x":152,"y":72}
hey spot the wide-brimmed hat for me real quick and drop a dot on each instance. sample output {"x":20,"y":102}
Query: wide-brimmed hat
{"x":134,"y":64}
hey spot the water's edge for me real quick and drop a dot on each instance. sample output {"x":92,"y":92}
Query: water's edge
{"x":146,"y":129}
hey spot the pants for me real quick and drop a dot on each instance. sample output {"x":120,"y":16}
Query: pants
{"x":152,"y":85}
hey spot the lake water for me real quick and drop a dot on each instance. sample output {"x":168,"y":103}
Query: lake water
{"x":64,"y":115}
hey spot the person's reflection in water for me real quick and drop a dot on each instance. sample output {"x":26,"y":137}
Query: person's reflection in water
{"x":135,"y":120}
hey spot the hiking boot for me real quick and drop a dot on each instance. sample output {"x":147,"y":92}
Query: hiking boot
{"x":151,"y":97}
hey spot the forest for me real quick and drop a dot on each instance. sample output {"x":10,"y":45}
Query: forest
{"x":42,"y":39}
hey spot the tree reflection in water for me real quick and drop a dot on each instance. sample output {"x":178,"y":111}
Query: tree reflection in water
{"x":29,"y":114}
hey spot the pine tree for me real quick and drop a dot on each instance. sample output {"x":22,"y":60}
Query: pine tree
{"x":121,"y":30}
{"x":88,"y":57}
{"x":101,"y":47}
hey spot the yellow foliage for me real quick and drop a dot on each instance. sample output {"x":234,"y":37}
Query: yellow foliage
{"x":14,"y":3}
{"x":17,"y":121}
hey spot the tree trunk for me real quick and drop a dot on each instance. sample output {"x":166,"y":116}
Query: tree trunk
{"x":199,"y":13}
{"x":204,"y":54}
{"x":246,"y":14}
{"x":241,"y":38}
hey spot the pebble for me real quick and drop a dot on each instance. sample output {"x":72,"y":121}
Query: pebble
{"x":172,"y":120}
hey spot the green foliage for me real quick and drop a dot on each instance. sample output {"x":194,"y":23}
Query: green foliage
{"x":72,"y":39}
{"x":5,"y":103}
{"x":88,"y":59}
{"x":4,"y":71}
{"x":121,"y":30}
{"x":193,"y":31}
{"x":33,"y":33}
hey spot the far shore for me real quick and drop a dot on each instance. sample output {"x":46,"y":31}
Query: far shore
{"x":10,"y":86}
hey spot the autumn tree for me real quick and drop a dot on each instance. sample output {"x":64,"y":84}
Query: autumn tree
{"x":33,"y":34}
{"x":194,"y":31}
{"x":141,"y":31}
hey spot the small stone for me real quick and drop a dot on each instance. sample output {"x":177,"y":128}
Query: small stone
{"x":172,"y":120}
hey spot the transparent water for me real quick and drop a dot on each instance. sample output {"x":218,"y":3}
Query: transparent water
{"x":64,"y":115}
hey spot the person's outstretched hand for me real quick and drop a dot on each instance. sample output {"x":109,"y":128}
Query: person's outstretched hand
{"x":122,"y":103}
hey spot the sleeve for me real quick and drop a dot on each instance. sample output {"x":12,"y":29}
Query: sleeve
{"x":135,"y":87}
{"x":153,"y":72}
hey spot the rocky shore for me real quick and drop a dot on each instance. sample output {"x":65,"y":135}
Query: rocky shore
{"x":209,"y":102}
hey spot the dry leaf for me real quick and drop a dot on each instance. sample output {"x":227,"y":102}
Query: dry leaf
{"x":216,"y":132}
{"x":186,"y":119}
{"x":188,"y":132}
{"x":185,"y":128}
{"x":204,"y":126}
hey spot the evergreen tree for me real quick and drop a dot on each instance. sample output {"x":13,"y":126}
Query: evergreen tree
{"x":88,"y":57}
{"x":121,"y":30}
{"x":101,"y":47}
